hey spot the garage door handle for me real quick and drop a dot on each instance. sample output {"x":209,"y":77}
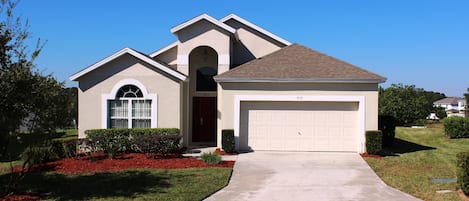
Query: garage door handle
{"x":201,"y":121}
{"x":299,"y":133}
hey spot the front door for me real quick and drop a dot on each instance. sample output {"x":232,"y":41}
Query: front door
{"x":204,"y":119}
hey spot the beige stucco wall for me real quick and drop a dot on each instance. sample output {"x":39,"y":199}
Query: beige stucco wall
{"x":102,"y":81}
{"x":199,"y":34}
{"x":226,"y":97}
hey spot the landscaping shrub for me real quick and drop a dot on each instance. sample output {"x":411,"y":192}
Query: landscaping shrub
{"x":373,"y":141}
{"x":57,"y":147}
{"x":211,"y":158}
{"x":456,"y":127}
{"x":153,"y":131}
{"x":228,"y":141}
{"x":157,"y":144}
{"x":387,"y":125}
{"x":462,"y":171}
{"x":146,"y":140}
{"x":420,"y":122}
{"x":35,"y":155}
{"x":70,"y":147}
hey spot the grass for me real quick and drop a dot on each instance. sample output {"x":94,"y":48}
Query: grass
{"x":422,"y":154}
{"x":138,"y":184}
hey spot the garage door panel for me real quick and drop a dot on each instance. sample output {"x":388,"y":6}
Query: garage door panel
{"x":300,"y":126}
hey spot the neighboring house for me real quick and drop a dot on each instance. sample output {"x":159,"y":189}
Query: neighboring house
{"x":232,"y":74}
{"x":454,"y":106}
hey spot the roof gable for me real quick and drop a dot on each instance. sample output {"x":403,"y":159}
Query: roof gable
{"x":255,"y":27}
{"x":203,"y":17}
{"x":296,"y":63}
{"x":134,"y":53}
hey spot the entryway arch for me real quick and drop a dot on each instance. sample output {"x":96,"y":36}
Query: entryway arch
{"x":203,"y":65}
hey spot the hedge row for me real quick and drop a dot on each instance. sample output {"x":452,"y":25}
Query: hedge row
{"x":143,"y":140}
{"x":456,"y":127}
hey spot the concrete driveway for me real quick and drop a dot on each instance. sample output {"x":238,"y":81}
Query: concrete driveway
{"x":305,"y":176}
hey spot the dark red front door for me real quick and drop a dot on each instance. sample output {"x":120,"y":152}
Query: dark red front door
{"x":204,"y":119}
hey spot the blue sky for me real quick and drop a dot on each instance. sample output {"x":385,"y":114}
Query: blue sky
{"x":424,"y":43}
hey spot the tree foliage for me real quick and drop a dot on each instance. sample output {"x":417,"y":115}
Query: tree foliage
{"x":25,"y":92}
{"x":407,"y":103}
{"x":466,"y":96}
{"x":440,"y":112}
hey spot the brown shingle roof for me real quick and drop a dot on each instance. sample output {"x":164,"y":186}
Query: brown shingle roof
{"x":297,"y":63}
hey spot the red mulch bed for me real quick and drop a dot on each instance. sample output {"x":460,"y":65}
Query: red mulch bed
{"x":22,"y":197}
{"x":101,"y":163}
{"x":365,"y":155}
{"x":221,"y":152}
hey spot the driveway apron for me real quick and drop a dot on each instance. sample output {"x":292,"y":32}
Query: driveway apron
{"x":305,"y":176}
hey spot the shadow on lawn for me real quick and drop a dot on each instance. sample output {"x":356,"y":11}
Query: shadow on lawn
{"x":98,"y":185}
{"x":401,"y":146}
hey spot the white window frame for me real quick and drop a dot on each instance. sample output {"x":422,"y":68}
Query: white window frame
{"x":112,"y":96}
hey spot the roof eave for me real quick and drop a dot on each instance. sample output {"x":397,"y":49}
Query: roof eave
{"x":255,"y":27}
{"x":164,"y":49}
{"x":134,"y":53}
{"x":203,"y":17}
{"x":301,"y":80}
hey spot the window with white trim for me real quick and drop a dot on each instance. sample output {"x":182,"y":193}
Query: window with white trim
{"x":129,"y":109}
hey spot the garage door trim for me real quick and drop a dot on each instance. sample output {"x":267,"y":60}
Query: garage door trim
{"x":359,"y":99}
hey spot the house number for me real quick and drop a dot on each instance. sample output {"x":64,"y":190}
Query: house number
{"x":299,"y":98}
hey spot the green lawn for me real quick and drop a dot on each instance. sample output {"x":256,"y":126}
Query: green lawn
{"x":421,"y":154}
{"x":139,"y":184}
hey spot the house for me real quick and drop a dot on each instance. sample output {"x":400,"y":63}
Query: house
{"x":232,"y":74}
{"x":453,"y":106}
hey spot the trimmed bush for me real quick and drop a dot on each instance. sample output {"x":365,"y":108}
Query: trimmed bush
{"x":146,"y":140}
{"x":462,"y":171}
{"x":387,"y":125}
{"x":70,"y":147}
{"x":35,"y":155}
{"x":157,"y":144}
{"x":228,"y":141}
{"x":211,"y":158}
{"x":456,"y":127}
{"x":57,"y":147}
{"x":374,"y":140}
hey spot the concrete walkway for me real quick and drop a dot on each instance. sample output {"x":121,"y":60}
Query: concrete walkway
{"x":305,"y":176}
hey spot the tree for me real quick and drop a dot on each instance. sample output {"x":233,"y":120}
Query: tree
{"x":440,"y":112}
{"x":405,"y":103}
{"x":466,"y":109}
{"x":24,"y":91}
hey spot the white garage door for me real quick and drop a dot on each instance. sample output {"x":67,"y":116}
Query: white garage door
{"x":299,"y":126}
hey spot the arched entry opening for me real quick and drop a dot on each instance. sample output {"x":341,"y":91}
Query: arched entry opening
{"x":203,"y":65}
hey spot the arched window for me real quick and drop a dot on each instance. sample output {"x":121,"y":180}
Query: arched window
{"x":129,"y":91}
{"x":129,"y":109}
{"x":205,"y":80}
